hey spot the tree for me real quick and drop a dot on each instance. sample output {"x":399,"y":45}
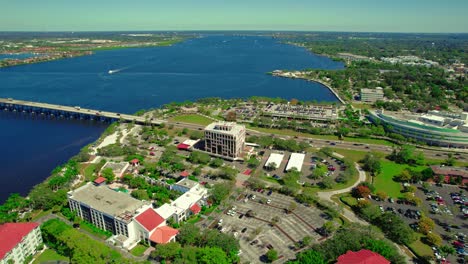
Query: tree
{"x":372,"y":164}
{"x":306,"y":241}
{"x":382,"y":195}
{"x":220,"y":191}
{"x":253,"y":162}
{"x":208,"y":255}
{"x":327,"y":183}
{"x":108,"y":173}
{"x":319,"y":172}
{"x":405,"y":176}
{"x":231,"y":116}
{"x":434,"y":239}
{"x":426,"y":224}
{"x":199,"y":157}
{"x":166,"y":251}
{"x":275,"y":220}
{"x":271,"y":255}
{"x":271,"y":166}
{"x":447,"y":250}
{"x":189,"y":234}
{"x":216,"y":163}
{"x":140,"y":195}
{"x":310,"y":256}
{"x":450,"y":161}
{"x":395,"y":228}
{"x":361,"y":191}
{"x":329,"y":227}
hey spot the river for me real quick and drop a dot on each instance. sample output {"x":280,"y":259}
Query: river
{"x":212,"y":66}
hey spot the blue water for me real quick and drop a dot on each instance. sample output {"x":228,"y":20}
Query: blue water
{"x":221,"y":66}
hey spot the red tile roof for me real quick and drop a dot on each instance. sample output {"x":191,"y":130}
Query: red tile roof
{"x":163,"y":234}
{"x":135,"y":161}
{"x":363,"y":256}
{"x":183,"y":146}
{"x":195,"y":208}
{"x":99,"y":180}
{"x":11,"y":234}
{"x":449,"y":171}
{"x":149,"y":219}
{"x":184,"y":174}
{"x":247,"y":172}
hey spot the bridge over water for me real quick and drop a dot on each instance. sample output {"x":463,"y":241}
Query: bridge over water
{"x":72,"y":112}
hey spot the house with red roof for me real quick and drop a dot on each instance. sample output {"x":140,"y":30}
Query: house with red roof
{"x":153,"y":228}
{"x":99,"y":181}
{"x":363,"y":256}
{"x":135,"y":162}
{"x":18,"y":241}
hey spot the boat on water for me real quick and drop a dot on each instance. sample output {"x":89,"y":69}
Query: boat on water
{"x":111,"y":71}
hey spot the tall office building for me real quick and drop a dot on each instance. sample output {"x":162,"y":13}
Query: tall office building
{"x":225,"y":139}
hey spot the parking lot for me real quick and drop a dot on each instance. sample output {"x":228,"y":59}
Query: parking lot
{"x":438,"y":205}
{"x":250,"y":220}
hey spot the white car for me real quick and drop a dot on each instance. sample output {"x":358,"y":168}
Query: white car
{"x":253,"y":197}
{"x":268,"y":201}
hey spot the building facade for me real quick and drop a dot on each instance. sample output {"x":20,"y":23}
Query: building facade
{"x":371,"y":95}
{"x":18,"y":241}
{"x":225,"y":139}
{"x":430,"y":129}
{"x":129,"y":219}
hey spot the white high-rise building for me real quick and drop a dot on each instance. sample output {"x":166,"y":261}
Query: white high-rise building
{"x":225,"y":139}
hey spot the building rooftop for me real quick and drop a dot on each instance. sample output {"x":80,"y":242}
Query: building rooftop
{"x":276,"y":158}
{"x":375,"y":91}
{"x":163,"y":234}
{"x":150,"y":219}
{"x":166,"y":210}
{"x":187,"y":183}
{"x":433,"y":117}
{"x":295,"y":161}
{"x":11,"y":234}
{"x":363,"y":256}
{"x":108,"y":201}
{"x":186,"y":200}
{"x":230,"y":128}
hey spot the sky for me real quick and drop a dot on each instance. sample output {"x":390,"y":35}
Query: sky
{"x":303,"y":15}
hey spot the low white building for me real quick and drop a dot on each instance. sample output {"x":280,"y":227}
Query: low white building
{"x":295,"y":161}
{"x":275,"y":158}
{"x":18,"y":241}
{"x":190,"y":202}
{"x":129,"y":219}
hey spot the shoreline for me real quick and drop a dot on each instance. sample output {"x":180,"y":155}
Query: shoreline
{"x":298,"y":75}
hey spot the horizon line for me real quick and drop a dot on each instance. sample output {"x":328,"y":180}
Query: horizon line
{"x":224,"y":30}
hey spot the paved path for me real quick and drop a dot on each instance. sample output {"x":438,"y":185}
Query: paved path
{"x":348,"y":214}
{"x":351,"y":216}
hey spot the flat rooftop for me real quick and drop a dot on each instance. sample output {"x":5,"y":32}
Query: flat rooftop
{"x":106,"y":200}
{"x":230,"y":128}
{"x":185,"y":182}
{"x":275,"y":158}
{"x":295,"y":161}
{"x":375,"y":91}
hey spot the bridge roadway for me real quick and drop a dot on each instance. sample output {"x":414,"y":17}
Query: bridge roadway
{"x":83,"y":111}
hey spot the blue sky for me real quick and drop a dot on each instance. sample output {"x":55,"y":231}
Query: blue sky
{"x":310,"y":15}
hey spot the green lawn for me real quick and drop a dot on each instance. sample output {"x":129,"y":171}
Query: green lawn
{"x":192,"y":119}
{"x":354,"y":155}
{"x":289,"y":132}
{"x":89,"y":172}
{"x":420,"y":248}
{"x":138,"y":250}
{"x":49,"y":255}
{"x":384,"y":181}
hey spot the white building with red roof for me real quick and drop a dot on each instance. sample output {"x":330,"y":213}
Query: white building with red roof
{"x":153,"y":229}
{"x":18,"y":241}
{"x":129,"y":219}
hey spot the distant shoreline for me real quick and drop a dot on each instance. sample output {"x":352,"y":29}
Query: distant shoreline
{"x":293,"y":75}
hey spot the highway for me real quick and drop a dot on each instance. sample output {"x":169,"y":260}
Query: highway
{"x":84,"y":111}
{"x":320,"y":143}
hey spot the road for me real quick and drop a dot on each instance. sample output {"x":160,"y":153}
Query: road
{"x":320,"y":143}
{"x":348,"y":214}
